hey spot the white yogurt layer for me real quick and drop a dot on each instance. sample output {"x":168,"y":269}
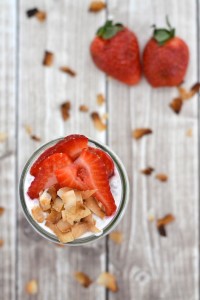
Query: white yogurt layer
{"x":116,"y":189}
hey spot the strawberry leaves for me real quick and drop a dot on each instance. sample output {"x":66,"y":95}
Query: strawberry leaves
{"x":162,"y":35}
{"x":109,"y":30}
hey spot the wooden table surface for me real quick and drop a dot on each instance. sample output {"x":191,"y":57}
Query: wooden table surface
{"x":147,"y":266}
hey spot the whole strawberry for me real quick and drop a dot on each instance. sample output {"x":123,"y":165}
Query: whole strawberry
{"x":115,"y":51}
{"x":165,"y":58}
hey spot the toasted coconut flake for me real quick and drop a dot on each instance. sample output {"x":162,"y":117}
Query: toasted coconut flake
{"x":83,"y":108}
{"x":87,"y":194}
{"x":3,"y":137}
{"x":32,"y":287}
{"x":91,"y":224}
{"x":58,"y":204}
{"x":162,"y":230}
{"x":52,"y":192}
{"x":1,"y":243}
{"x":66,"y":237}
{"x":196,"y":87}
{"x":62,"y":191}
{"x":89,"y":219}
{"x":69,"y":200}
{"x":35,"y":138}
{"x":78,"y":195}
{"x":184,"y":94}
{"x":116,"y":236}
{"x":147,"y":171}
{"x":98,"y":123}
{"x":31,"y":12}
{"x":48,"y":59}
{"x":161,"y":223}
{"x":189,"y":132}
{"x":68,"y":217}
{"x":2,"y":210}
{"x":165,"y":220}
{"x":65,"y":109}
{"x":92,"y":204}
{"x":108,"y":280}
{"x":79,"y":229}
{"x":37,"y":214}
{"x":80,"y":212}
{"x":63,"y":237}
{"x":92,"y":228}
{"x":28,"y":129}
{"x":63,"y":226}
{"x":162,"y":177}
{"x":45,"y":201}
{"x":96,"y":6}
{"x":54,"y":216}
{"x":140,"y":132}
{"x":83,"y":279}
{"x":67,"y":70}
{"x":41,"y":16}
{"x":100,"y":99}
{"x":176,"y":105}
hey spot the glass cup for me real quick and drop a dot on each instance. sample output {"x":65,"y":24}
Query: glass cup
{"x":116,"y":217}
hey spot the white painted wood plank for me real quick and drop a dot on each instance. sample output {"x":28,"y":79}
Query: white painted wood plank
{"x":7,"y":148}
{"x":148,"y":266}
{"x":67,"y":32}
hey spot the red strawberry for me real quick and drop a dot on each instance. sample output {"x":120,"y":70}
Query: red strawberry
{"x":71,"y":145}
{"x":115,"y":51}
{"x":88,"y":172}
{"x":46,"y":174}
{"x":165,"y":58}
{"x":106,"y":159}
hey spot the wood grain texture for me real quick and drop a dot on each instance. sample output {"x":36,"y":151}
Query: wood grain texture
{"x":67,"y":33}
{"x":7,"y":148}
{"x":147,"y":265}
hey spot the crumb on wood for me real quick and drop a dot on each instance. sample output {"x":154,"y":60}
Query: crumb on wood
{"x":83,"y":108}
{"x":98,"y":122}
{"x":96,"y":6}
{"x":138,"y":133}
{"x":148,"y":171}
{"x":65,"y":110}
{"x":48,"y":58}
{"x":68,"y":70}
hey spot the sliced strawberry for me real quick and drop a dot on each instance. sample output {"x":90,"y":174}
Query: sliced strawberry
{"x":74,"y":144}
{"x":106,"y":159}
{"x":71,"y":145}
{"x":88,"y":172}
{"x":46,"y":174}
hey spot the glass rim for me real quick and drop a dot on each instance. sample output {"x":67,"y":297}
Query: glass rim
{"x":106,"y":230}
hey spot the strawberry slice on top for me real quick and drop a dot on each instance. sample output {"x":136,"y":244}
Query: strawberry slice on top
{"x":71,"y":145}
{"x":46,"y":174}
{"x":88,"y":171}
{"x":109,"y":164}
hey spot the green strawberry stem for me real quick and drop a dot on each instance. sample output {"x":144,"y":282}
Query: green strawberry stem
{"x":109,"y":30}
{"x":162,"y":35}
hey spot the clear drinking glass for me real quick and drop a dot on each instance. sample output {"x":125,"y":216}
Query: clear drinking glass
{"x":114,"y":221}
